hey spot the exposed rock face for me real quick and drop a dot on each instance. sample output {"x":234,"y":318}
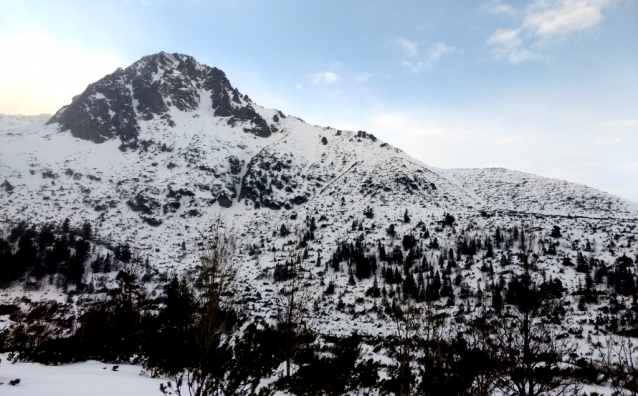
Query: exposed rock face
{"x":273,"y":180}
{"x":113,"y":106}
{"x":7,"y":186}
{"x":235,"y":165}
{"x":103,"y":111}
{"x":258,"y":126}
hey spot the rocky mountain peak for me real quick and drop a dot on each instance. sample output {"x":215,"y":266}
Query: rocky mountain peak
{"x":154,"y":87}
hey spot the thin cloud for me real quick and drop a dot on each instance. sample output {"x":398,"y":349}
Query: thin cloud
{"x":363,"y":77}
{"x":544,"y":21}
{"x":499,"y":8}
{"x":508,"y":44}
{"x":438,"y":51}
{"x":410,"y":47}
{"x":327,"y":77}
{"x":433,"y":56}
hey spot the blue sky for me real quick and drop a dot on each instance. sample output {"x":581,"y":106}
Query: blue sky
{"x":543,"y":86}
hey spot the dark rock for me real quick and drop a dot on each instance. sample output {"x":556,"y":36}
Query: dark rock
{"x":88,"y":116}
{"x":299,"y":200}
{"x":48,"y":174}
{"x":171,"y":207}
{"x":365,"y":135}
{"x":152,"y":221}
{"x":144,"y":204}
{"x":7,"y":186}
{"x":248,"y":114}
{"x":193,"y":213}
{"x":235,"y":165}
{"x":219,"y":86}
{"x":236,"y":96}
{"x":224,"y":201}
{"x":179,"y":193}
{"x":272,"y":205}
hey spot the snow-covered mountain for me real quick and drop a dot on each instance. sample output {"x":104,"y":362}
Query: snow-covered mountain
{"x":16,"y":121}
{"x":150,"y":153}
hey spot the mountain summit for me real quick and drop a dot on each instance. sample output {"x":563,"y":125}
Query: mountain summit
{"x":149,"y":88}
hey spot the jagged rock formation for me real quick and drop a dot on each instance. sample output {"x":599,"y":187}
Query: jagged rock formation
{"x":113,"y":106}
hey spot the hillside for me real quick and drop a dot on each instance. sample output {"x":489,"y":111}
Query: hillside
{"x":151,"y":153}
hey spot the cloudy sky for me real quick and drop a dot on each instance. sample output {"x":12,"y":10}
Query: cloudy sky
{"x":542,"y":86}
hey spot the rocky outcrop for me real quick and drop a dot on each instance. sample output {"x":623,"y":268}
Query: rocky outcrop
{"x":113,"y":106}
{"x":103,"y":111}
{"x":257,"y":125}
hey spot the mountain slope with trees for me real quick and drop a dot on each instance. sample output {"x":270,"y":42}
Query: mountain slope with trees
{"x":109,"y":209}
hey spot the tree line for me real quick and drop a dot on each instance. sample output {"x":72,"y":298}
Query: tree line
{"x":200,"y":338}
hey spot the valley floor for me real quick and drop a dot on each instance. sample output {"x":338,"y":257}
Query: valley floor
{"x":98,"y":379}
{"x":89,"y":378}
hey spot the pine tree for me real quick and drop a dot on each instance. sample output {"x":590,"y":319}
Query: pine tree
{"x":87,"y":231}
{"x":368,"y":212}
{"x":66,"y":226}
{"x":283,"y":231}
{"x":391,"y":231}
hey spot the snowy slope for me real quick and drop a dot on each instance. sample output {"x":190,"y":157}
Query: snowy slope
{"x":88,"y":378}
{"x":518,"y":191}
{"x":16,"y":121}
{"x":150,"y":153}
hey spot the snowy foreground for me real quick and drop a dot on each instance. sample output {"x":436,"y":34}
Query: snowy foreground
{"x":89,"y":378}
{"x":98,"y":379}
{"x":79,"y":379}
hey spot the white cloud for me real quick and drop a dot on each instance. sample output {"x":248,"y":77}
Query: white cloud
{"x":38,"y":75}
{"x":431,"y":59}
{"x":544,"y":21}
{"x":299,"y":86}
{"x":438,"y":51}
{"x":410,"y":47}
{"x":327,"y":77}
{"x":499,"y":8}
{"x":507,"y":44}
{"x":546,"y":18}
{"x":363,"y":77}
